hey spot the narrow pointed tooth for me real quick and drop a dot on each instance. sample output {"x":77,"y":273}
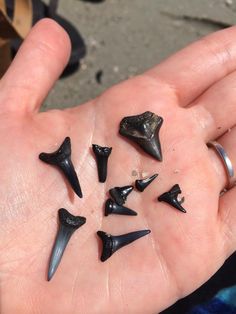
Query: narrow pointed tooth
{"x":62,"y":159}
{"x":142,"y":184}
{"x":144,"y":129}
{"x":69,"y":172}
{"x":68,"y":223}
{"x":113,"y":243}
{"x":102,"y":154}
{"x":112,"y":208}
{"x":120,"y":194}
{"x":171,"y":197}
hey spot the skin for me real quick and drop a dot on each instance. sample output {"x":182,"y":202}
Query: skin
{"x":194,"y":91}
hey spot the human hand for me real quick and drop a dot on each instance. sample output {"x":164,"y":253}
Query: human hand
{"x":194,"y":91}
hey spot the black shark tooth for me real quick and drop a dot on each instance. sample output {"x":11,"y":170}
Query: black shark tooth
{"x":171,"y":198}
{"x":142,"y":184}
{"x":120,"y":194}
{"x":102,"y":154}
{"x":68,"y":223}
{"x":62,"y":159}
{"x":112,"y":208}
{"x":113,"y":243}
{"x":144,"y":130}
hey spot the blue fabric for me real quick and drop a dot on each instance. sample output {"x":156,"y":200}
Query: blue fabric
{"x":228,"y":295}
{"x":223,"y":303}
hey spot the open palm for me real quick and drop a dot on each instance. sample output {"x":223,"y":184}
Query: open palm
{"x":194,"y":92}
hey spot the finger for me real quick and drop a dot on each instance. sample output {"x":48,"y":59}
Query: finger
{"x":39,"y":62}
{"x":227,"y":215}
{"x":215,"y":110}
{"x":192,"y":70}
{"x":228,"y":142}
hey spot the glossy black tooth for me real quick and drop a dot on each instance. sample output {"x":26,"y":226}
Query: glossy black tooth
{"x":144,"y":130}
{"x":112,"y":208}
{"x":62,"y":159}
{"x":171,"y":197}
{"x":113,"y":243}
{"x":102,"y":154}
{"x":142,"y":184}
{"x":120,"y":194}
{"x":68,"y":224}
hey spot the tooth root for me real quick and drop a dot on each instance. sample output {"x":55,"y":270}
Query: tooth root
{"x":68,"y":224}
{"x":112,"y":208}
{"x":113,"y":243}
{"x":142,"y":184}
{"x":69,"y":172}
{"x":62,"y":159}
{"x":120,"y":194}
{"x":101,"y":154}
{"x":171,"y":197}
{"x":144,"y":130}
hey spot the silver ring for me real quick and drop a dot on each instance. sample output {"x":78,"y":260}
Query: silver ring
{"x":226,"y":161}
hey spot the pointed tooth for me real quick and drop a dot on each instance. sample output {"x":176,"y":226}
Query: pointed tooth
{"x":61,"y":242}
{"x":171,"y":197}
{"x":113,"y":243}
{"x":120,"y":194}
{"x":112,"y":208}
{"x":69,"y":171}
{"x":144,"y":130}
{"x":68,"y":223}
{"x":62,"y":159}
{"x":142,"y":184}
{"x":101,"y":154}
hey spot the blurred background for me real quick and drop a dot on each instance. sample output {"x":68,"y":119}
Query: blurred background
{"x":124,"y":38}
{"x":116,"y":39}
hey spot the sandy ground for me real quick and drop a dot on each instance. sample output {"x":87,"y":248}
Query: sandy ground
{"x":124,"y":38}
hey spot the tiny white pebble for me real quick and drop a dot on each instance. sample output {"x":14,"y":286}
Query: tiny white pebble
{"x":144,"y":174}
{"x":116,"y":69}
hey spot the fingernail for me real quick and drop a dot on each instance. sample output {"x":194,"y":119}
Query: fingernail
{"x":112,"y":208}
{"x":120,"y":194}
{"x":68,"y":223}
{"x":171,"y":198}
{"x":62,"y":159}
{"x":142,"y":184}
{"x":102,"y":154}
{"x":144,"y":130}
{"x":113,"y":243}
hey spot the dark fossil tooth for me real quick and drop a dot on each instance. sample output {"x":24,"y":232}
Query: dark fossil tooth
{"x":142,"y":184}
{"x":144,"y":130}
{"x":113,"y":243}
{"x":112,"y":208}
{"x":120,"y":194}
{"x":171,"y":198}
{"x":68,"y":223}
{"x":62,"y":159}
{"x":102,"y":154}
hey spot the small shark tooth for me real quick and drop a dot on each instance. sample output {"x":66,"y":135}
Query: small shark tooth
{"x":68,"y":223}
{"x":171,"y":197}
{"x":142,"y":184}
{"x":144,"y":129}
{"x":102,"y":154}
{"x":120,"y":194}
{"x":113,"y":243}
{"x":62,"y":159}
{"x":112,"y":208}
